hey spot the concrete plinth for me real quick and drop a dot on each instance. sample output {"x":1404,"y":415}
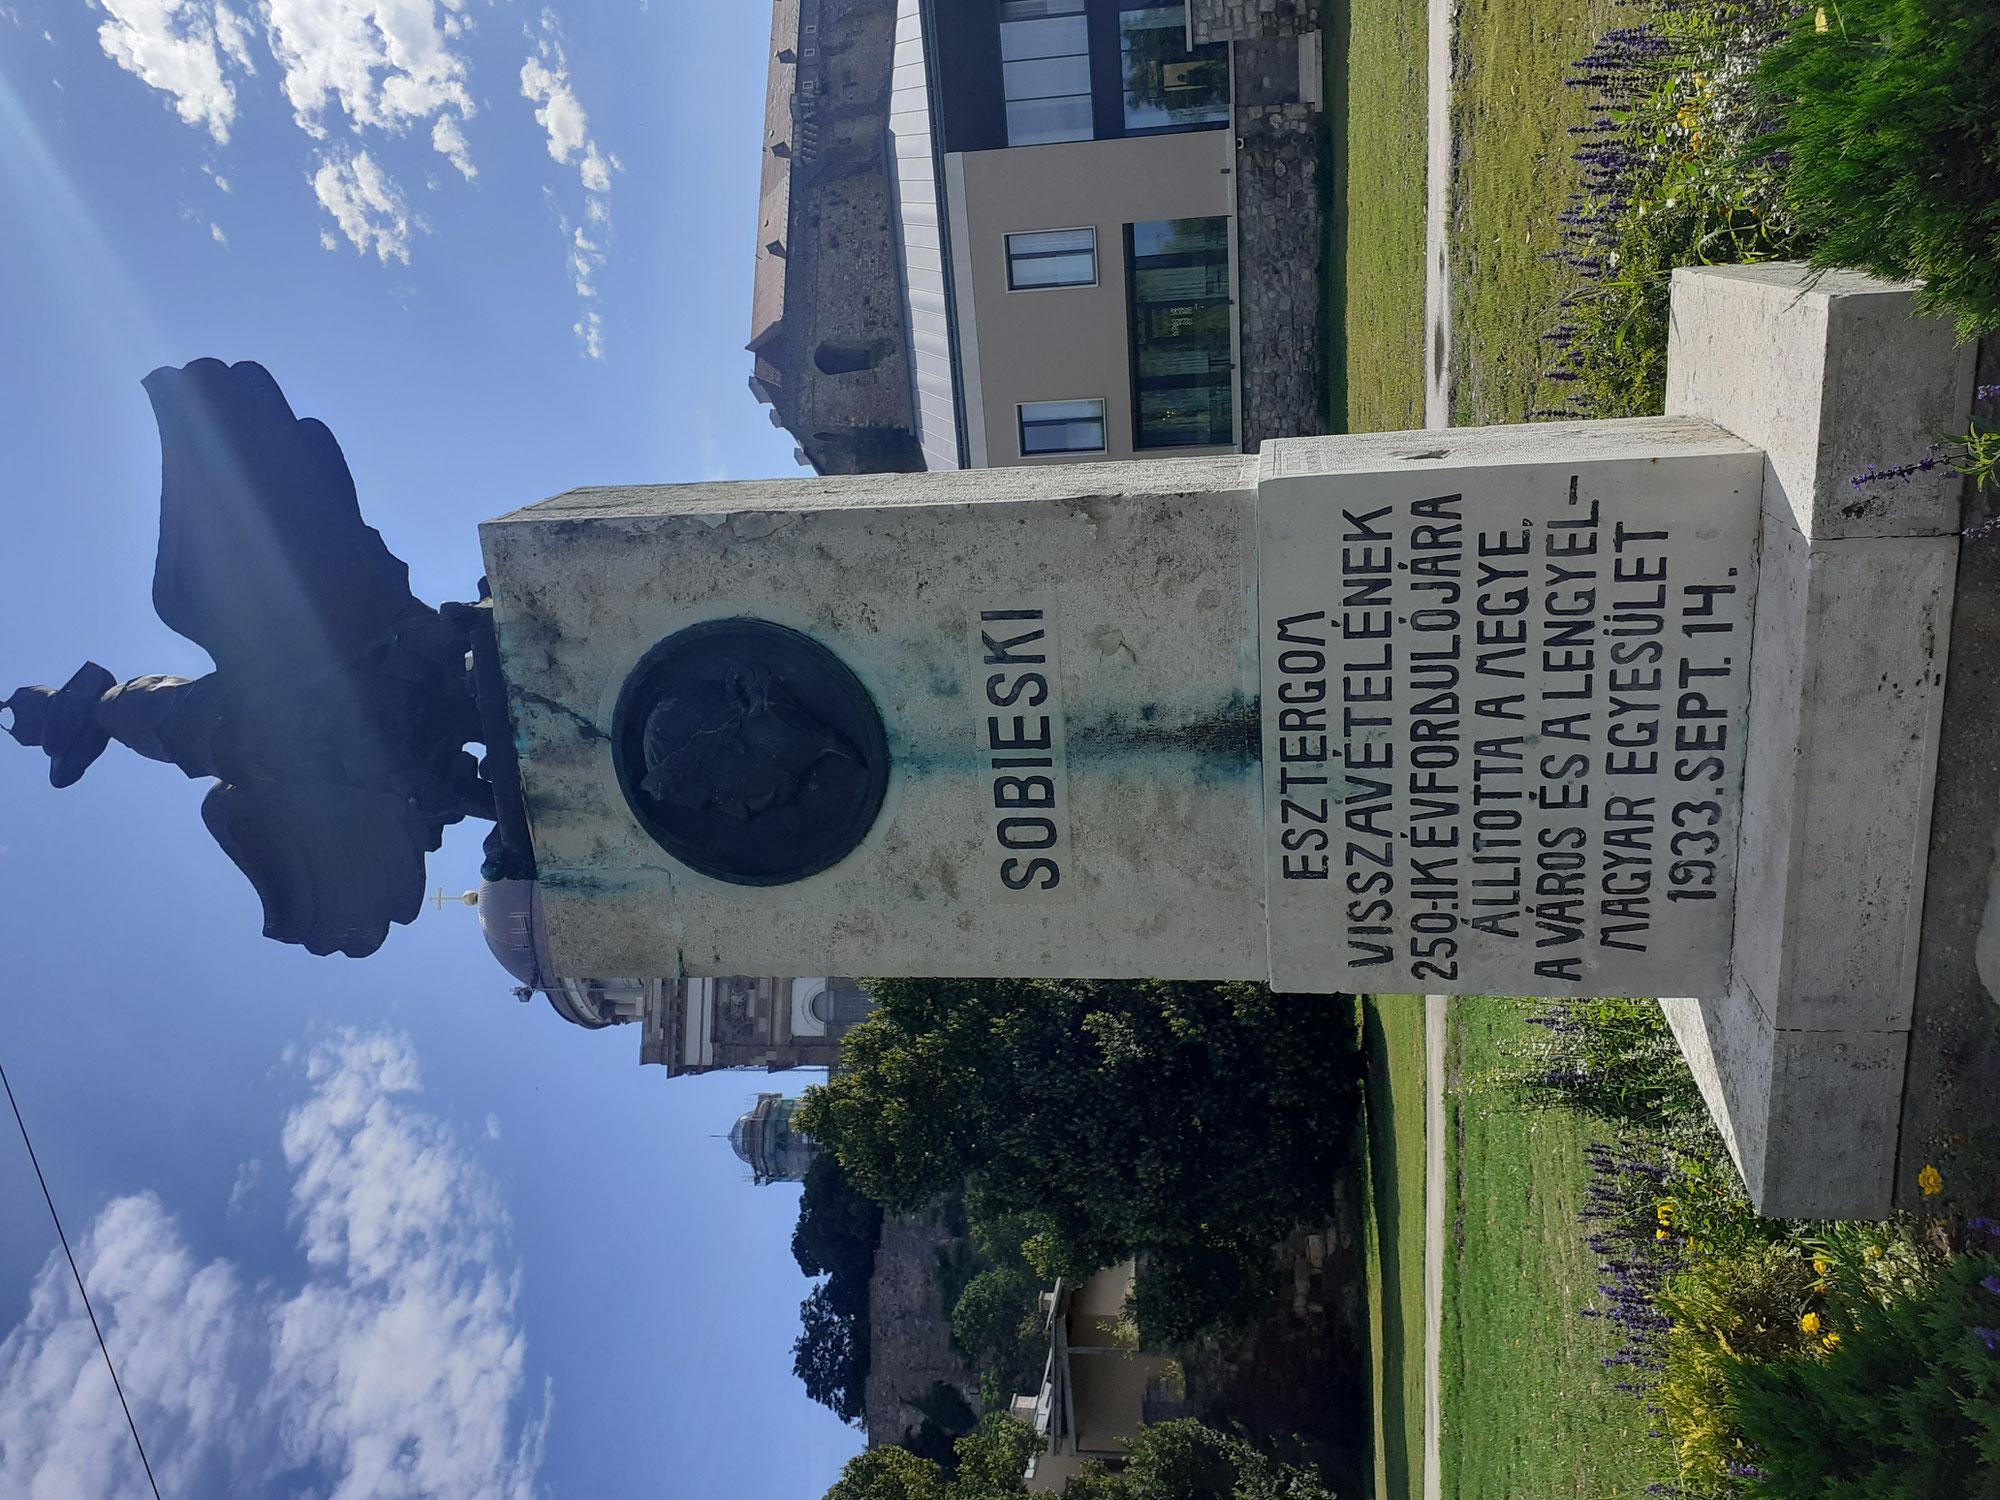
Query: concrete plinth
{"x":1802,"y":1058}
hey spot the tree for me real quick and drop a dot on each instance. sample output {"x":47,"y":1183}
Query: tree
{"x":838,"y":1228}
{"x":991,"y":1464}
{"x":1192,"y":1124}
{"x":837,"y":1236}
{"x":831,"y":1354}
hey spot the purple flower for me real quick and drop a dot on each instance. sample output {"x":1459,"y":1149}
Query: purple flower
{"x":1987,"y":393}
{"x":1747,"y":1471}
{"x":1992,"y":1284}
{"x":1989,"y":1336}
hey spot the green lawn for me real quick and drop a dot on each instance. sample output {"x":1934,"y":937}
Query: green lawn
{"x":1528,"y":1409}
{"x":1375,"y":101}
{"x":1393,"y":1033}
{"x":1510,"y":117}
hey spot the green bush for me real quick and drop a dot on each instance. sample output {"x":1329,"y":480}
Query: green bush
{"x":1186,"y":1461}
{"x":1906,"y":1406}
{"x":1192,"y":1124}
{"x":1893,"y":126}
{"x":997,"y":1324}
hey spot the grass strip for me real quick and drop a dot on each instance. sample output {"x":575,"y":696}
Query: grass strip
{"x":1511,"y":181}
{"x":1375,"y":61}
{"x":1529,"y":1413}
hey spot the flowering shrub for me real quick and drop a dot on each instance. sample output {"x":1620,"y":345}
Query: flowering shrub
{"x":1675,"y":173}
{"x":1701,"y":1289}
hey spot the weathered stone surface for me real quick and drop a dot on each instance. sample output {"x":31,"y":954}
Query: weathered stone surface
{"x":1145,"y":572}
{"x":1242,"y":20}
{"x":1280,"y":227}
{"x":909,"y":1329}
{"x":1803,"y":1058}
{"x":1527,"y":645}
{"x":1948,"y":1099}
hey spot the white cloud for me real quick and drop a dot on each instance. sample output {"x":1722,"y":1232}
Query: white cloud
{"x":449,"y":138}
{"x":180,"y":47}
{"x":215,"y":230}
{"x":395,"y":1372}
{"x":545,"y":82}
{"x":385,"y":64}
{"x":366,"y":203}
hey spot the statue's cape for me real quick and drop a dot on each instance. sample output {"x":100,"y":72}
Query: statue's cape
{"x":266,"y":564}
{"x":264,"y":559}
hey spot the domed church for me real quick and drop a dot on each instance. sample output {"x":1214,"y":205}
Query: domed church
{"x":685,"y":1025}
{"x":765,"y":1142}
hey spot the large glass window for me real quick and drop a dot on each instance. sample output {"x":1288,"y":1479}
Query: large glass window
{"x":1045,"y":71}
{"x":1177,"y":285}
{"x":1168,"y":87}
{"x":1051,"y":257}
{"x":1062,"y":427}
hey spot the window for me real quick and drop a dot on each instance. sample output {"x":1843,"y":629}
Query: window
{"x":1045,"y":71}
{"x":1062,"y":427}
{"x":1051,"y":257}
{"x":1177,"y":286}
{"x":1167,"y":87}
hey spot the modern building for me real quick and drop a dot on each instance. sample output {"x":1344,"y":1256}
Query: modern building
{"x":1101,"y":218}
{"x":685,"y":1025}
{"x":765,"y":1142}
{"x":1097,"y":1390}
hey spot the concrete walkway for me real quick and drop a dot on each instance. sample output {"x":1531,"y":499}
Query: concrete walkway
{"x":1437,"y":206}
{"x":1435,"y":1013}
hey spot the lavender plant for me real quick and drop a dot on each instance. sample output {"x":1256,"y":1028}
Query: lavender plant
{"x":1672,"y":174}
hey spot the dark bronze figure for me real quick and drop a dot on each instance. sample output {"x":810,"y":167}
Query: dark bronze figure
{"x":750,"y":752}
{"x":336,"y":719}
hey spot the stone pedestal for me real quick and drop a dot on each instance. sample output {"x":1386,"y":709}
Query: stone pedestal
{"x":1801,"y":1057}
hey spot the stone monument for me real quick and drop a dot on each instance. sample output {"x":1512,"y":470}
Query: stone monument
{"x":1638,"y":707}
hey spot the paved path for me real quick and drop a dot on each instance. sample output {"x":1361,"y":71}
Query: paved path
{"x":1434,"y":1199}
{"x":1437,"y":205}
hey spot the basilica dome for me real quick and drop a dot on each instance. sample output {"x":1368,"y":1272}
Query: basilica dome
{"x":510,"y":917}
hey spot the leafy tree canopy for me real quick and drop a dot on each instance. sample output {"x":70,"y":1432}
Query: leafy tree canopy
{"x":1174,"y":1461}
{"x":1193,"y":1124}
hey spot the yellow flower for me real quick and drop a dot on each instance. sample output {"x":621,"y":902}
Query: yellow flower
{"x":1820,"y":1265}
{"x":1659,"y":1234}
{"x":1810,"y":1322}
{"x":1664,"y":1212}
{"x":1819,"y":19}
{"x":1874,"y":1252}
{"x":1930,"y":1181}
{"x":1832,"y":1341}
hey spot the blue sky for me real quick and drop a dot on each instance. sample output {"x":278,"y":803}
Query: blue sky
{"x":361,"y":1229}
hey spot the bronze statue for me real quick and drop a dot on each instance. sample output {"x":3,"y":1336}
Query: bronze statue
{"x":336,"y":719}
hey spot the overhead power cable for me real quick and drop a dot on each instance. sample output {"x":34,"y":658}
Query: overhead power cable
{"x":35,"y":1162}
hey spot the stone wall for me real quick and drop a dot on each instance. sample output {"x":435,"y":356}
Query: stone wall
{"x":1280,"y":225}
{"x":909,"y":1330}
{"x":836,"y":368}
{"x":1243,"y":20}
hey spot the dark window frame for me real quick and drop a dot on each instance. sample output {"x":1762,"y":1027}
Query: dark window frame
{"x":1014,"y":258}
{"x":1022,"y":424}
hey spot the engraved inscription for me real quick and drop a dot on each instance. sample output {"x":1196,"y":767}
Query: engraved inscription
{"x":1024,"y":788}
